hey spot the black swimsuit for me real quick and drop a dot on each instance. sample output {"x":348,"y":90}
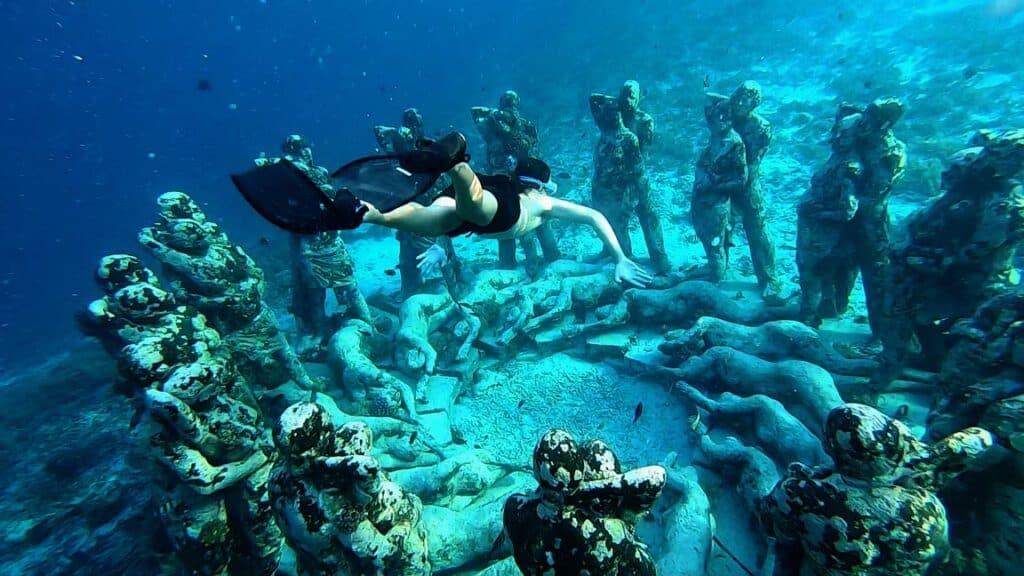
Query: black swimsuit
{"x":506,"y":192}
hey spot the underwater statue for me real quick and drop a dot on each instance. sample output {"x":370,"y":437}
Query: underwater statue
{"x":510,"y":139}
{"x":843,"y":220}
{"x":876,"y":510}
{"x":748,"y":205}
{"x":413,"y":248}
{"x":721,"y":174}
{"x":727,"y":186}
{"x":620,"y":187}
{"x":352,"y":352}
{"x":403,"y":138}
{"x":320,"y":261}
{"x":337,"y":508}
{"x":205,"y":428}
{"x":982,"y":378}
{"x":582,"y":518}
{"x":206,"y":270}
{"x":955,"y":253}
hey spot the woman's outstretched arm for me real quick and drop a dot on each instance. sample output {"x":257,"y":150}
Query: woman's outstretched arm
{"x":625,"y":269}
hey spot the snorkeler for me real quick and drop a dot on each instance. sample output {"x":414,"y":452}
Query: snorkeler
{"x":498,"y":206}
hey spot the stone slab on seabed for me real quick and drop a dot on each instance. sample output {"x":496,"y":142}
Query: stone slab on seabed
{"x":610,"y":345}
{"x":552,"y":341}
{"x":435,"y":413}
{"x":438,"y":425}
{"x":440,"y":394}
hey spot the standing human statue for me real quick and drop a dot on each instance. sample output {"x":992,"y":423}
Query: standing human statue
{"x":748,"y":206}
{"x":620,"y":187}
{"x":321,"y":261}
{"x":511,"y":139}
{"x":720,"y":175}
{"x":843,"y":220}
{"x":413,"y":247}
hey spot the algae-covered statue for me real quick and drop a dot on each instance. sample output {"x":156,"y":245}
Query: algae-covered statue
{"x":843,"y":220}
{"x":721,"y":173}
{"x":510,"y":139}
{"x":582,"y":518}
{"x":338,"y":509}
{"x":727,"y":186}
{"x":748,"y":206}
{"x":207,"y":431}
{"x":414,"y":248}
{"x":620,"y":186}
{"x":207,"y":271}
{"x":876,"y":511}
{"x":957,"y":252}
{"x":321,"y":261}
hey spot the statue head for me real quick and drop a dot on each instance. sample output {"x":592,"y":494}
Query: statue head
{"x":629,"y":96}
{"x":509,"y":101}
{"x":297,"y":147}
{"x":718,"y":114}
{"x":746,"y":99}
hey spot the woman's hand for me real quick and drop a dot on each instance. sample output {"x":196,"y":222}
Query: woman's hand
{"x":373,"y":216}
{"x":628,"y":272}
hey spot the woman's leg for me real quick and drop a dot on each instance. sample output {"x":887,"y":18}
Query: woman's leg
{"x":436,"y":219}
{"x":472,"y":203}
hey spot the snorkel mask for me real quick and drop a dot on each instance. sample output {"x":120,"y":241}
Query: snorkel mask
{"x":550,"y":187}
{"x":535,"y":173}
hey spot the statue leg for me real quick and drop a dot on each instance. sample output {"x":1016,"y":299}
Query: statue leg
{"x":507,"y":254}
{"x":762,"y":250}
{"x":408,"y":249}
{"x":650,"y":224}
{"x":710,"y":217}
{"x":873,"y":258}
{"x":531,"y":251}
{"x":307,"y":302}
{"x":548,"y":243}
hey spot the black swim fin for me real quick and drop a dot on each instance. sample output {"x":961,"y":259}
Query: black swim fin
{"x":436,"y":157}
{"x":289,"y":199}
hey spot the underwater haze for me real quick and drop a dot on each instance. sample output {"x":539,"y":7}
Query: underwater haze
{"x":771,"y":321}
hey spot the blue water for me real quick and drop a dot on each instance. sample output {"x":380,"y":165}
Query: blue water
{"x":104,"y":111}
{"x":102,"y":114}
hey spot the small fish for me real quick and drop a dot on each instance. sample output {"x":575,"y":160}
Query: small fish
{"x":638,"y":412}
{"x":970,"y":72}
{"x":203,"y":85}
{"x":264,"y":241}
{"x":600,"y":426}
{"x":695,"y":421}
{"x":412,"y":437}
{"x":707,"y":81}
{"x":564,"y":176}
{"x":390,"y":272}
{"x":902,"y":412}
{"x":860,"y":319}
{"x":869,"y":84}
{"x":521,"y":402}
{"x":738,"y":296}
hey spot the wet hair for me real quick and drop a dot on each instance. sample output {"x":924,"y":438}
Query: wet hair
{"x":534,"y":168}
